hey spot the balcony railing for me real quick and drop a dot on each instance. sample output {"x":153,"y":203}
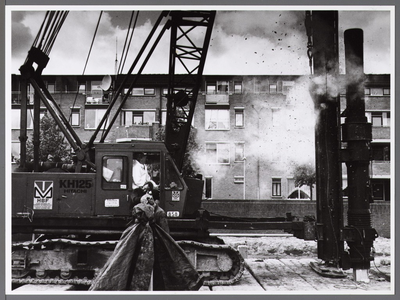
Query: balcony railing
{"x":380,"y":168}
{"x":381,"y":132}
{"x":221,"y":99}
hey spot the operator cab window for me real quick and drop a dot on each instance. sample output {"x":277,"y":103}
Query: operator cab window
{"x":114,"y":172}
{"x":172,"y":178}
{"x":145,"y":168}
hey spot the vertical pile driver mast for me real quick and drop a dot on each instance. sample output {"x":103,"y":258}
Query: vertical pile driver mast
{"x":357,"y":133}
{"x":327,"y":139}
{"x":322,"y":29}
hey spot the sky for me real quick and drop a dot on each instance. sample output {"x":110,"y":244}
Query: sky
{"x":243,"y":42}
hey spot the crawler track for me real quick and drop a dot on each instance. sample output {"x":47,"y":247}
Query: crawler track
{"x":59,"y":261}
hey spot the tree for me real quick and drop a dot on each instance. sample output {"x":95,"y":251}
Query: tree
{"x":305,"y":175}
{"x":52,"y":145}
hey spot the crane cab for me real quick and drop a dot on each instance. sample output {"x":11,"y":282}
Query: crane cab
{"x":45,"y":201}
{"x":120,"y":165}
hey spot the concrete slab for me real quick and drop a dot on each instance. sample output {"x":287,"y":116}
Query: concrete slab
{"x":246,"y":284}
{"x":275,"y":275}
{"x":295,"y":274}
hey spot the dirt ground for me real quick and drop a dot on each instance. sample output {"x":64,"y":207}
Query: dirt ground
{"x":263,"y":248}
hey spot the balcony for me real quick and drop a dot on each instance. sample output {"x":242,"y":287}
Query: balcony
{"x":16,"y":97}
{"x":380,"y":168}
{"x":379,"y":133}
{"x":218,"y":99}
{"x":141,"y":132}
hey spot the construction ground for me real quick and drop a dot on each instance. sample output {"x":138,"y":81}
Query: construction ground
{"x":280,"y":264}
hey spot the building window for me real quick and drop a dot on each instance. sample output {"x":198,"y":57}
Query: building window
{"x":114,"y":172}
{"x":218,"y":153}
{"x":276,"y":187}
{"x":149,"y":92}
{"x":272,"y":88}
{"x":367,"y":91}
{"x":381,"y":190}
{"x":376,"y":91}
{"x":16,"y":119}
{"x":238,"y":179}
{"x":298,"y":194}
{"x":163,"y":117}
{"x":15,"y":150}
{"x":211,"y":87}
{"x":30,"y":93}
{"x":217,"y":87}
{"x":239,"y":117}
{"x":380,"y":152}
{"x":386,"y":92}
{"x":43,"y":111}
{"x":222,"y":87}
{"x":208,"y":187}
{"x":139,"y":91}
{"x":239,"y":152}
{"x":238,"y":87}
{"x":51,"y":88}
{"x":217,"y":119}
{"x":386,"y":118}
{"x":93,"y":118}
{"x":82,"y":88}
{"x":287,"y":86}
{"x":75,"y":116}
{"x":96,"y":88}
{"x":137,"y":117}
{"x":277,"y":120}
{"x":377,"y":120}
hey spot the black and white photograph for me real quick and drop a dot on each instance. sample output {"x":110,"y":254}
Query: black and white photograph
{"x":200,"y":150}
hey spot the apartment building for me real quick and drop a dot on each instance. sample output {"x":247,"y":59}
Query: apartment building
{"x":252,"y":130}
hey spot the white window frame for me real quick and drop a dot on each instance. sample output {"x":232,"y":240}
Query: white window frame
{"x":220,"y":84}
{"x":75,"y":111}
{"x":276,"y":182}
{"x":142,"y":91}
{"x":16,"y":119}
{"x":220,"y":147}
{"x":273,"y":88}
{"x":238,"y":179}
{"x":287,"y":86}
{"x":211,"y":87}
{"x":239,"y":111}
{"x":82,"y":88}
{"x":51,"y":87}
{"x":208,"y":180}
{"x":99,"y":113}
{"x":143,"y":113}
{"x":215,"y":116}
{"x":237,"y":87}
{"x":239,"y":151}
{"x":376,"y":92}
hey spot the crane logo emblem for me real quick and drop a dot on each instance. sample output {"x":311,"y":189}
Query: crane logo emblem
{"x":43,"y":195}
